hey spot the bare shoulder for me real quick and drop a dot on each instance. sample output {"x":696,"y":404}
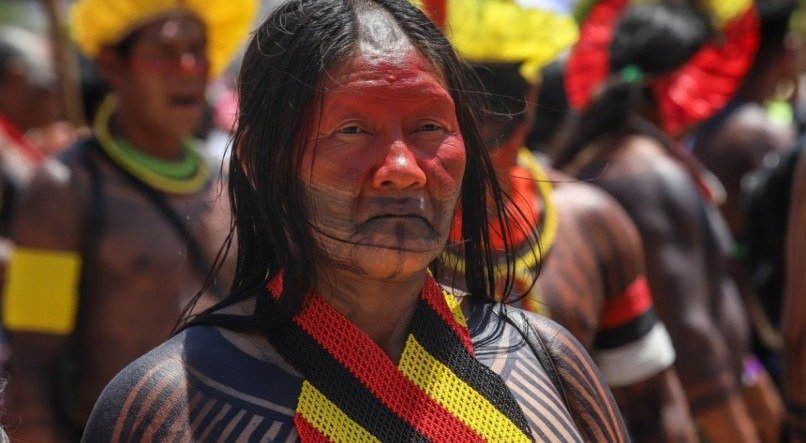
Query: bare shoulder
{"x":651,"y":186}
{"x":586,"y":202}
{"x":603,"y":222}
{"x":51,"y":206}
{"x":141,"y":397}
{"x":551,"y":375}
{"x":200,"y":385}
{"x":750,"y":127}
{"x":588,"y":398}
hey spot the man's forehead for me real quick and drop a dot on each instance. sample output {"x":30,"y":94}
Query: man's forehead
{"x":174,"y":26}
{"x":392,"y":71}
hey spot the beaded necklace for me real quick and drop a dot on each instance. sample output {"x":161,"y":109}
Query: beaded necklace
{"x":186,"y":176}
{"x":546,"y":222}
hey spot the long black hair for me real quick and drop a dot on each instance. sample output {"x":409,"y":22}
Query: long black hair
{"x":281,"y":81}
{"x":652,"y":39}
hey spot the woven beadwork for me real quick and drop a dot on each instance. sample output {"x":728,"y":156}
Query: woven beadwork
{"x":354,"y":392}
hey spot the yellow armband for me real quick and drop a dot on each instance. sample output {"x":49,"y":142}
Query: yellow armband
{"x":41,"y":292}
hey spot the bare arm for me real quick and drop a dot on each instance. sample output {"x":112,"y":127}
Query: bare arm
{"x":147,"y":401}
{"x":46,"y":220}
{"x":666,"y":209}
{"x":795,"y":308}
{"x":652,"y":399}
{"x":590,"y":401}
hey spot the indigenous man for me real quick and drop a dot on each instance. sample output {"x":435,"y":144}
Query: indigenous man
{"x":591,"y":267}
{"x":618,"y":144}
{"x":27,"y":101}
{"x":589,"y":253}
{"x":117,"y":235}
{"x":356,"y":141}
{"x":738,"y":141}
{"x":795,"y":309}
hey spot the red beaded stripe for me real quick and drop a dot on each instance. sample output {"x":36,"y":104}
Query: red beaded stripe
{"x":308,"y":432}
{"x":626,"y":307}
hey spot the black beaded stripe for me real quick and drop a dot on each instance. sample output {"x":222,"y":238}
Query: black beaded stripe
{"x":436,"y":337}
{"x":339,"y":385}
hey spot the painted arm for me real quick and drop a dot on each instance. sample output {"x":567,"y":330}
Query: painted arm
{"x":39,"y":308}
{"x":632,"y":348}
{"x":795,"y":308}
{"x":147,"y":401}
{"x":590,"y":401}
{"x":668,"y":214}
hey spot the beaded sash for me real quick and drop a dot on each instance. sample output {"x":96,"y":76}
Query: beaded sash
{"x":354,"y":392}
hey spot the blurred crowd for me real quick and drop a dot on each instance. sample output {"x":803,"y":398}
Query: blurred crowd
{"x":654,"y":148}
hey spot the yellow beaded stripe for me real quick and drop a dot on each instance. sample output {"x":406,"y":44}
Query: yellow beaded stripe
{"x":41,"y":293}
{"x":456,"y":308}
{"x":441,"y":384}
{"x":328,"y":418}
{"x":524,"y":263}
{"x":190,"y":185}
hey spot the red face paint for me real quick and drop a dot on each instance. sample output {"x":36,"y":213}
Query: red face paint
{"x":165,"y":75}
{"x":383,"y":166}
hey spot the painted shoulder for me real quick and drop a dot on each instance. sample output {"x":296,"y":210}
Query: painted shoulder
{"x":199,"y":386}
{"x":577,"y":397}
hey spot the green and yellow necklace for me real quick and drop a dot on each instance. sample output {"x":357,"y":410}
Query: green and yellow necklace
{"x":186,"y":176}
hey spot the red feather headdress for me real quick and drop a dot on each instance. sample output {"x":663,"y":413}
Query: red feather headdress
{"x":687,"y":96}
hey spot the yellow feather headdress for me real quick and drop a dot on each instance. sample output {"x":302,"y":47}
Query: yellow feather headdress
{"x":98,"y":23}
{"x":531,"y":32}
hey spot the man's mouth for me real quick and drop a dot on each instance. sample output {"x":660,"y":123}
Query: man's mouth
{"x":398,"y":216}
{"x":185,"y":100}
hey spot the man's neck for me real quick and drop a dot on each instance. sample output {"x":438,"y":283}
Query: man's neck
{"x":151,"y":142}
{"x":382,"y":309}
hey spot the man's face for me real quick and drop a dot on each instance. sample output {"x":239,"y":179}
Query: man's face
{"x":383,"y":166}
{"x":164,"y":77}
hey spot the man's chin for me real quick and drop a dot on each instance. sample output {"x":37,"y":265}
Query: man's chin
{"x":383,"y":263}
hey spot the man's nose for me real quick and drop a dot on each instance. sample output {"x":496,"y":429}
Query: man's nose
{"x":399,"y":168}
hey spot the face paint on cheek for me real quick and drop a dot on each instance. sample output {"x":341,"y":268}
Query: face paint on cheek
{"x":386,"y":173}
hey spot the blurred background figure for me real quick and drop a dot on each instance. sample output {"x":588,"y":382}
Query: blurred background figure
{"x":794,"y":317}
{"x":125,"y":223}
{"x":579,"y":240}
{"x":645,"y":75}
{"x":734,"y":144}
{"x":28,"y":102}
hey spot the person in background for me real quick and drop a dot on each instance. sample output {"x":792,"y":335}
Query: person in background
{"x":617,"y":143}
{"x":794,"y":321}
{"x":356,"y":144}
{"x":28,"y":101}
{"x":734,"y":145}
{"x":588,"y":255}
{"x":590,"y":264}
{"x":118,"y":233}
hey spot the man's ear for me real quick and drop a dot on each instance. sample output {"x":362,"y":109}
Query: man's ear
{"x":111,"y":66}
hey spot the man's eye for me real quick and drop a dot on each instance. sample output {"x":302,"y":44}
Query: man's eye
{"x":351,"y":130}
{"x":429,"y":127}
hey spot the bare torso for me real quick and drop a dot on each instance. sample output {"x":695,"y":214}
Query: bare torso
{"x":583,"y":283}
{"x":681,"y":238}
{"x":136,"y":279}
